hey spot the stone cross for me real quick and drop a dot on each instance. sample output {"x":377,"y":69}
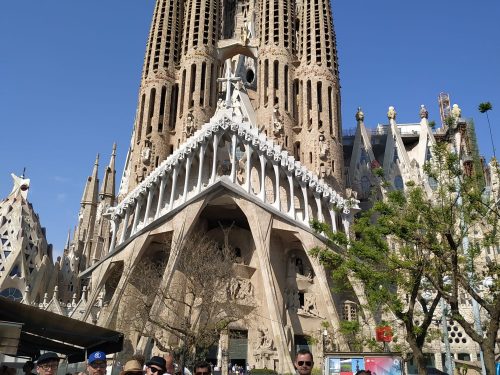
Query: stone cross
{"x":229,"y":79}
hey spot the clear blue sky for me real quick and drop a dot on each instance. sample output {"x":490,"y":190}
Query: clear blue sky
{"x":70,"y":73}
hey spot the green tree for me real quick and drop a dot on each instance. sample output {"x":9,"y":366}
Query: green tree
{"x":406,"y":246}
{"x":484,"y":108}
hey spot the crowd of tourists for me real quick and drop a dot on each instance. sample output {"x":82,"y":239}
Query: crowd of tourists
{"x":97,"y":364}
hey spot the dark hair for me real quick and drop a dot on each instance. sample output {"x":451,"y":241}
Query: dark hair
{"x":203,"y":364}
{"x":364,"y":372}
{"x":303,"y":352}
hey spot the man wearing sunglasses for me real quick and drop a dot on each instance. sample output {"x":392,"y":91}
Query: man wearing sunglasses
{"x":156,"y":366}
{"x":202,"y":368}
{"x":96,"y":363}
{"x":304,"y":362}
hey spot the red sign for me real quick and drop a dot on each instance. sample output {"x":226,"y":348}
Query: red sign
{"x":384,"y":333}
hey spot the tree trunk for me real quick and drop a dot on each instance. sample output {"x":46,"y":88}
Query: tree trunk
{"x":489,"y":357}
{"x":420,"y":362}
{"x":418,"y":355}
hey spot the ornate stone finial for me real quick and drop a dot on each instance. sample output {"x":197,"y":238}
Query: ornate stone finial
{"x":456,"y":112}
{"x":423,"y":112}
{"x":360,"y":116}
{"x":391,"y":113}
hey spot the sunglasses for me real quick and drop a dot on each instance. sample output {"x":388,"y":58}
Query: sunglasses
{"x":305,"y":363}
{"x":154,"y":369}
{"x":98,"y":365}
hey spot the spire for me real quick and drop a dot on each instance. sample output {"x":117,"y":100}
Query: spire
{"x":91,"y":188}
{"x":108,"y":181}
{"x":68,"y":240}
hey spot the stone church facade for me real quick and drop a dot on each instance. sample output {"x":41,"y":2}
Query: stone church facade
{"x":238,"y":124}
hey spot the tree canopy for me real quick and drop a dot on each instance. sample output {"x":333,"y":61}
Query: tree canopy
{"x":416,"y":246}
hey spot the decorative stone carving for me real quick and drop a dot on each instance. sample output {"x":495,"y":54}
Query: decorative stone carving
{"x":309,"y":308}
{"x":145,"y":153}
{"x":190,"y":125}
{"x":241,"y":289}
{"x":391,"y":113}
{"x":245,"y":33}
{"x":456,"y":112}
{"x":360,"y":116}
{"x":277,"y":121}
{"x":264,"y":340}
{"x":423,"y":112}
{"x":323,"y":147}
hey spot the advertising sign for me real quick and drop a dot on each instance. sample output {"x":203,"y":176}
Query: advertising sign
{"x":349,"y":365}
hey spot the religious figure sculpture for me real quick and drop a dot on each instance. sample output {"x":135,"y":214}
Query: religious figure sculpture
{"x":245,"y":33}
{"x":264,"y":340}
{"x":146,"y":152}
{"x":277,"y":121}
{"x":456,"y":112}
{"x":391,"y":113}
{"x":190,"y":126}
{"x":309,"y":307}
{"x":323,"y":147}
{"x":423,"y":112}
{"x":360,"y":116}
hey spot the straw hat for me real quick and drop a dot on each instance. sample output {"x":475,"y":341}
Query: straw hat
{"x":132,"y":366}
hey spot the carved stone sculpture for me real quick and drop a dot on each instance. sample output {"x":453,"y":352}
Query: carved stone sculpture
{"x":277,"y":121}
{"x":423,"y":112}
{"x":391,"y":113}
{"x":323,"y":147}
{"x":190,"y":126}
{"x":360,"y":116}
{"x":456,"y":112}
{"x":264,"y":341}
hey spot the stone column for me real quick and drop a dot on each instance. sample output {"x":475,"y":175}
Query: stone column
{"x":277,"y":202}
{"x":291,"y":211}
{"x":200,"y":166}
{"x":333,"y":216}
{"x":233,"y":157}
{"x":186,"y":178}
{"x":306,"y":202}
{"x":214,"y":164}
{"x":174,"y":184}
{"x":138,"y":206}
{"x":114,"y":225}
{"x":262,"y":193}
{"x":148,"y":203}
{"x":248,"y":182}
{"x":318,"y":205}
{"x":125,"y":224}
{"x":160,"y":195}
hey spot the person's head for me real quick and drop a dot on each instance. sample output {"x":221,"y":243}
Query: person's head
{"x":156,"y":366}
{"x":364,"y":372}
{"x":96,"y":363}
{"x":47,"y":364}
{"x":132,"y":367}
{"x":304,"y":362}
{"x":202,"y":368}
{"x":28,"y":367}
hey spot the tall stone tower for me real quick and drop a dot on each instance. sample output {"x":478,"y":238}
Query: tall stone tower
{"x":283,"y":51}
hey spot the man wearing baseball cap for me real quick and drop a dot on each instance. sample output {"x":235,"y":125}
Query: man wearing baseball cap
{"x":96,"y":363}
{"x":47,"y":364}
